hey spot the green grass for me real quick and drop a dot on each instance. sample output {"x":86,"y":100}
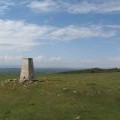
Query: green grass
{"x":89,"y":96}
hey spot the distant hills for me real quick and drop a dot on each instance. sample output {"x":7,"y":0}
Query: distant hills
{"x":16,"y":71}
{"x":93,"y":70}
{"x":37,"y":70}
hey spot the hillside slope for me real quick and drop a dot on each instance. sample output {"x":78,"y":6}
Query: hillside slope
{"x":62,"y":97}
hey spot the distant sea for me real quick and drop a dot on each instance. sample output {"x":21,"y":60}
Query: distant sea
{"x":37,"y":71}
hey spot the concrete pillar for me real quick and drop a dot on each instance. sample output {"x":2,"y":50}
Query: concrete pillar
{"x":27,"y":70}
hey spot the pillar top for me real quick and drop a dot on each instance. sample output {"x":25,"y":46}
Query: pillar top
{"x":27,"y":58}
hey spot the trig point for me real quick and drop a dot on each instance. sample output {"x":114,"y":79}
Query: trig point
{"x":27,"y":70}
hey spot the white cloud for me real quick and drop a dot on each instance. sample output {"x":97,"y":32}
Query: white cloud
{"x":46,"y":59}
{"x":77,"y":32}
{"x":115,"y":59}
{"x":81,"y":7}
{"x":9,"y":59}
{"x":104,"y":62}
{"x":112,"y":26}
{"x":57,"y":61}
{"x":19,"y":35}
{"x":38,"y":60}
{"x":5,"y":5}
{"x":88,"y":7}
{"x":43,"y":6}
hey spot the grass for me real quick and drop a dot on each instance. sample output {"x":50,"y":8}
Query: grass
{"x":89,"y":96}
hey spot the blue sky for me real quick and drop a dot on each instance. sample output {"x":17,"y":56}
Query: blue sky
{"x":60,"y":33}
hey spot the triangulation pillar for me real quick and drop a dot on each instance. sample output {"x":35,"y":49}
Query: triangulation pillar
{"x":27,"y":70}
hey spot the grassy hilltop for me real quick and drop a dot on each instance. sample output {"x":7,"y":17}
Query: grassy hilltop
{"x":88,"y":96}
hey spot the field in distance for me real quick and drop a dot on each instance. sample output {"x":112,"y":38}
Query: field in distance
{"x":71,"y":96}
